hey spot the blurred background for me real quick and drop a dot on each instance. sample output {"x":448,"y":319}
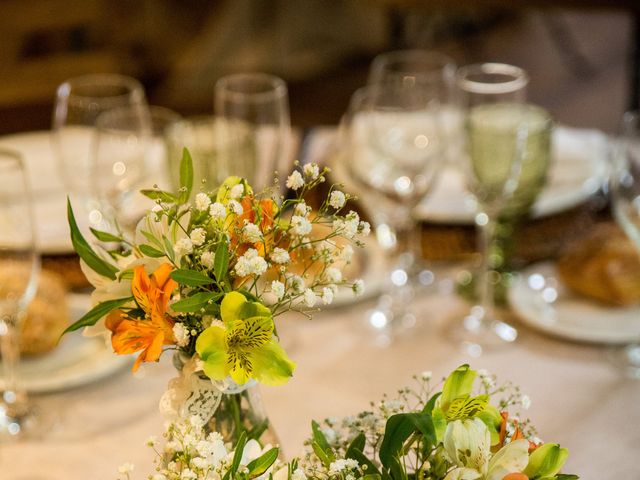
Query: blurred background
{"x":581,"y":54}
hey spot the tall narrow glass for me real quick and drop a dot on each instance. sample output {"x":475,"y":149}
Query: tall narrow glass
{"x":625,"y":195}
{"x":254,"y":111}
{"x":20,"y":264}
{"x":497,"y":123}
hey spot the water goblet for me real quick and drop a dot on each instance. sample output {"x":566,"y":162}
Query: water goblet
{"x":625,"y":196}
{"x":20,"y":264}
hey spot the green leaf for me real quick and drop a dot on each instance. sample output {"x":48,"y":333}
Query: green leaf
{"x":428,"y":408}
{"x":362,"y":459}
{"x":168,"y":248}
{"x":237,"y":457}
{"x":566,"y":476}
{"x":372,"y":476}
{"x":321,"y":440}
{"x":84,"y":250}
{"x":396,"y":469}
{"x":190,"y":278}
{"x":150,"y":251}
{"x":195,"y":302}
{"x":161,"y":195}
{"x":357,"y":443}
{"x":398,"y":429}
{"x":96,"y":313}
{"x":221,"y":260}
{"x":186,"y":176}
{"x":151,"y":238}
{"x":320,"y":453}
{"x":261,"y":464}
{"x":105,"y":236}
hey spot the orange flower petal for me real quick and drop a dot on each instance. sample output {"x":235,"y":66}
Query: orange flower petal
{"x":140,"y":287}
{"x":515,"y":476}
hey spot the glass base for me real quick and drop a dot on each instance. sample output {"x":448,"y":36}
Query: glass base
{"x":477,"y":334}
{"x":627,"y":360}
{"x":19,"y":423}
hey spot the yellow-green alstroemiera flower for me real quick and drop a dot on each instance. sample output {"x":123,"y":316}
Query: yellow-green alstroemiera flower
{"x":244,"y":346}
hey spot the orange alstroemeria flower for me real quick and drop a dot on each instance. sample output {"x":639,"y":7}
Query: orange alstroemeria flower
{"x":262,"y":213}
{"x":517,"y":434}
{"x":515,"y":476}
{"x":150,"y":334}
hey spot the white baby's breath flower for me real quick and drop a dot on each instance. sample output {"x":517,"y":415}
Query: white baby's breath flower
{"x":278,"y":289}
{"x":125,"y":468}
{"x":427,"y":374}
{"x":347,"y":227}
{"x":311,"y":170}
{"x":346,"y":254}
{"x":280,"y":256}
{"x":181,"y":334}
{"x":158,"y":476}
{"x":358,"y":287}
{"x":298,"y":474}
{"x":235,"y":207}
{"x":250,"y":264}
{"x":309,"y":298}
{"x":183,"y":246}
{"x":198,"y":236}
{"x":295,"y":181}
{"x":236,"y":191}
{"x":296,"y":283}
{"x":337,"y":199}
{"x":333,"y":275}
{"x":207,"y":258}
{"x":251,"y":233}
{"x":202,"y":201}
{"x":300,"y":225}
{"x":188,"y":474}
{"x":218,"y":211}
{"x":152,"y":441}
{"x":341,"y":465}
{"x":525,"y":401}
{"x":301,"y":209}
{"x":364,"y":229}
{"x":327,"y":295}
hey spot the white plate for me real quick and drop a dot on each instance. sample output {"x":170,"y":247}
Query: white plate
{"x":577,"y":171}
{"x":570,"y":316}
{"x":76,"y":361}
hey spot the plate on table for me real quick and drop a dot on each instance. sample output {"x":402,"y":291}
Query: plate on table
{"x":77,"y":361}
{"x":543,"y":303}
{"x":577,"y":171}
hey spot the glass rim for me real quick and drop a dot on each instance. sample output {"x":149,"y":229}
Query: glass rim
{"x":132,"y":85}
{"x":519,"y":78}
{"x":277,"y":87}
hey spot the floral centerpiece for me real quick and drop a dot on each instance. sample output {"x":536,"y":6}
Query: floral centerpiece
{"x":206,"y":279}
{"x":456,"y":433}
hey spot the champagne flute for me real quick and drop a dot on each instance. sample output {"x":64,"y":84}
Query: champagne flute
{"x":625,"y":195}
{"x":497,"y":124}
{"x":254,"y":112}
{"x":130,"y":143}
{"x":79,"y":102}
{"x":397,"y":154}
{"x":20,"y":264}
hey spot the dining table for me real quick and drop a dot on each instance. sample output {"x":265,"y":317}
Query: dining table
{"x":344,"y":362}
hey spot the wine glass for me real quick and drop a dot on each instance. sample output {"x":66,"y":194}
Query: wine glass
{"x":397,"y":150}
{"x":497,"y":125}
{"x":254,"y":112}
{"x":79,"y":102}
{"x":129,"y":145}
{"x":625,"y":195}
{"x":20,"y":265}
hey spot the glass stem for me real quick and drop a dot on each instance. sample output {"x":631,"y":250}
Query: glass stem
{"x":486,"y":238}
{"x":12,"y":396}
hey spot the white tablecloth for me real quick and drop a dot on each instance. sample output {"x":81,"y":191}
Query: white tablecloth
{"x":579,"y":399}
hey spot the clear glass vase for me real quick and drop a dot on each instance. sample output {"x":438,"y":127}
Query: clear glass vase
{"x":223,"y":407}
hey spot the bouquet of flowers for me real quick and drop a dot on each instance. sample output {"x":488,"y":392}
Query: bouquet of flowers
{"x":452,"y":434}
{"x":207,"y":279}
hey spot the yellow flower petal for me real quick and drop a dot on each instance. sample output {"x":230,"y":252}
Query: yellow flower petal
{"x":271,"y":365}
{"x":211,"y":347}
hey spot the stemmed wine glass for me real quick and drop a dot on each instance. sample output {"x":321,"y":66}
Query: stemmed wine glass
{"x":253,"y":109}
{"x":397,"y":149}
{"x":79,"y":102}
{"x":497,"y":124}
{"x":129,"y":143}
{"x":625,"y":195}
{"x":20,"y":265}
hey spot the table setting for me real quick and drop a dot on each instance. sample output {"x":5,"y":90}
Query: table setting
{"x":444,"y":286}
